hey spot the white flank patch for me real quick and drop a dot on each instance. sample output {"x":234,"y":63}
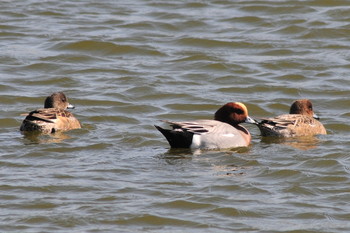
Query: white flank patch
{"x":196,"y":141}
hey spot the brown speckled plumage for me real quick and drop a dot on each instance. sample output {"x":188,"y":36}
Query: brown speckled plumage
{"x":300,"y":122}
{"x":54,"y":117}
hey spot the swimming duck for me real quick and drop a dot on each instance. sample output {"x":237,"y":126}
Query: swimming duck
{"x":53,"y":117}
{"x":301,"y":121}
{"x":222,"y":132}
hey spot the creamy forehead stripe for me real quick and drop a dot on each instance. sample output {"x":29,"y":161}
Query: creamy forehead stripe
{"x":243,"y":107}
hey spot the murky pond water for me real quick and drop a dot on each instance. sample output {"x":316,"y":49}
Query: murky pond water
{"x":125,"y":65}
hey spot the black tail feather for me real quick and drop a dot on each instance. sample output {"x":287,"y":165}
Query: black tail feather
{"x":177,"y":138}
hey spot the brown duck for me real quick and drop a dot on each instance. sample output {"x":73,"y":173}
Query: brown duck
{"x":53,"y":117}
{"x":301,"y":121}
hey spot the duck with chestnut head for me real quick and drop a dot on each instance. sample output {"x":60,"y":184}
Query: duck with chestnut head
{"x":224,"y":131}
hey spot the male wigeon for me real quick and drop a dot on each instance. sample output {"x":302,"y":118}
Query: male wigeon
{"x":53,"y":117}
{"x":301,"y":121}
{"x":222,"y":132}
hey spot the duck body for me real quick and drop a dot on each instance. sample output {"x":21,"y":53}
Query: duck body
{"x":49,"y":120}
{"x":205,"y":134}
{"x":222,"y":132}
{"x":291,"y":125}
{"x":53,"y":117}
{"x":301,"y":121}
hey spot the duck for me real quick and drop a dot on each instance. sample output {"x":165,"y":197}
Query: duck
{"x":301,"y":121}
{"x":224,"y":131}
{"x":52,"y":118}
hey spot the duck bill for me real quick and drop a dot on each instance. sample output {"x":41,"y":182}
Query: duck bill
{"x":70,"y":106}
{"x":251,"y":120}
{"x":315,"y":116}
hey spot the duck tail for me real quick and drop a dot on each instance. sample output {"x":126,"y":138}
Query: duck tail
{"x":177,"y":138}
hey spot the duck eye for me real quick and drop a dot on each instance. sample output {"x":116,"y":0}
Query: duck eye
{"x":239,"y":111}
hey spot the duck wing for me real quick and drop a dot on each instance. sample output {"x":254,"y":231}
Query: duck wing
{"x":283,"y":121}
{"x":195,"y":127}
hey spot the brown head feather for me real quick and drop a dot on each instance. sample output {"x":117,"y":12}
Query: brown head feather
{"x":57,"y":100}
{"x":232,"y":113}
{"x":303,"y":107}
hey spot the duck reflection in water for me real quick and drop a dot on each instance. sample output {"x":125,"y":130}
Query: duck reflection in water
{"x":40,"y":138}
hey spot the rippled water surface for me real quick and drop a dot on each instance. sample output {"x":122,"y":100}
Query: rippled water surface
{"x":125,"y":65}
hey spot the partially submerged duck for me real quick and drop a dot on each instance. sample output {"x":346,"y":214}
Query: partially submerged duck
{"x":224,"y":131}
{"x":301,"y":121}
{"x":53,"y":117}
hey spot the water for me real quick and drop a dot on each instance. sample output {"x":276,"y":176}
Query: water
{"x":125,"y":65}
